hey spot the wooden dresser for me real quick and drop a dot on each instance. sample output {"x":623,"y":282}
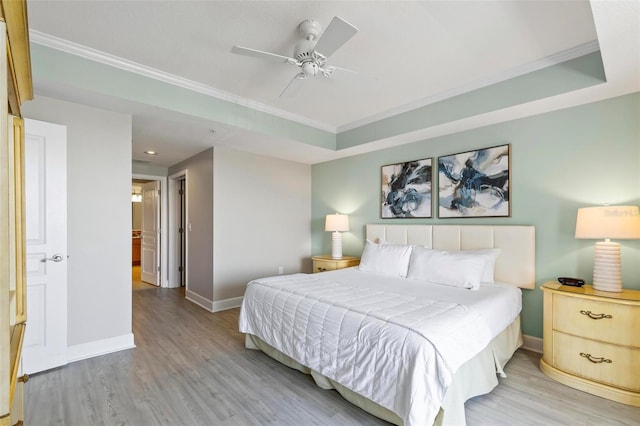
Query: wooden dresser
{"x":136,"y":244}
{"x":325,"y":262}
{"x":15,"y":88}
{"x":591,"y":340}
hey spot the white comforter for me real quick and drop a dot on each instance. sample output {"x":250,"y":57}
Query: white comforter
{"x":384,"y":338}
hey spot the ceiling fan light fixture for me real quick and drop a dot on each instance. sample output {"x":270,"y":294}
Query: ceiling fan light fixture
{"x":310,"y":68}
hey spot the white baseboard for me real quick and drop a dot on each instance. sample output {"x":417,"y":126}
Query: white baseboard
{"x":211,"y":306}
{"x":223,"y":305}
{"x":199,"y":300}
{"x":532,"y":343}
{"x":100,"y":347}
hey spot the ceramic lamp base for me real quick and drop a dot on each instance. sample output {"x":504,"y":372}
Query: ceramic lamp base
{"x":607,"y":274}
{"x":336,"y":245}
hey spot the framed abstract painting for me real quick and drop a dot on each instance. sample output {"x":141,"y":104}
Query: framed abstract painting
{"x":475,"y":183}
{"x":406,"y":189}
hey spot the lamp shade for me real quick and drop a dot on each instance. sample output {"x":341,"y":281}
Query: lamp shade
{"x":336,"y":223}
{"x":615,"y":222}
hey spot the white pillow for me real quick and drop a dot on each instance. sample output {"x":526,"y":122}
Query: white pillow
{"x":489,"y":256}
{"x":385,"y":259}
{"x":449,"y":268}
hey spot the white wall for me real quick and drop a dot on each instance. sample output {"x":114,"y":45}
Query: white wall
{"x":199,"y":226}
{"x":99,"y":220}
{"x":148,"y":169}
{"x":249,"y":215}
{"x":262,"y":219}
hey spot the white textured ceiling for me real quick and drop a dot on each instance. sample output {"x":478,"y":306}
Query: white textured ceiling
{"x":405,"y":54}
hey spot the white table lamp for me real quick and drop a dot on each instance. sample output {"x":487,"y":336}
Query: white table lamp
{"x":606,"y":222}
{"x":336,"y":223}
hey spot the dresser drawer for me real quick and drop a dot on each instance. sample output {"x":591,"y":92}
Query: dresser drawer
{"x":324,"y":265}
{"x":601,"y":362}
{"x":598,"y":320}
{"x":327,"y":263}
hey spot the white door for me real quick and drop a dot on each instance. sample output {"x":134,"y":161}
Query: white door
{"x":45,"y":344}
{"x":149,"y":252}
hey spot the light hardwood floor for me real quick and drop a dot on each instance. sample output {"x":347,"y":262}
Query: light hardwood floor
{"x":190,"y":368}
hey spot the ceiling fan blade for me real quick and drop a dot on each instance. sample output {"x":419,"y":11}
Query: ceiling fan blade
{"x":261,"y":54}
{"x":337,"y":33}
{"x":293,"y":86}
{"x":344,"y":69}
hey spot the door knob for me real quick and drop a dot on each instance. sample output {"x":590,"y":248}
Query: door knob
{"x":55,"y":258}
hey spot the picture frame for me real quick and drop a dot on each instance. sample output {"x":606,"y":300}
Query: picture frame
{"x":475,"y":183}
{"x":406,"y":189}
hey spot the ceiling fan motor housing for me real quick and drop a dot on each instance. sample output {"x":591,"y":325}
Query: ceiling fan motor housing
{"x":303,"y":50}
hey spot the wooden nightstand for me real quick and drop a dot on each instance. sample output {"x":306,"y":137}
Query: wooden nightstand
{"x":592,"y":340}
{"x":325,"y":262}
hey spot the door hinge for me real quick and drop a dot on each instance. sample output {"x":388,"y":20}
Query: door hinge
{"x":180,"y":192}
{"x":158,"y":269}
{"x":180,"y":269}
{"x":180,"y":230}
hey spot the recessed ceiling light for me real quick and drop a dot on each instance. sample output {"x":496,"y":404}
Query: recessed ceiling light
{"x":150,"y":152}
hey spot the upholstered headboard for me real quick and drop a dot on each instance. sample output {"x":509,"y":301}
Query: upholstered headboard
{"x":517,"y":260}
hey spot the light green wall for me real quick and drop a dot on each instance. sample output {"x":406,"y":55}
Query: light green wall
{"x":560,"y":161}
{"x":64,"y":69}
{"x":567,"y":76}
{"x":68,"y":70}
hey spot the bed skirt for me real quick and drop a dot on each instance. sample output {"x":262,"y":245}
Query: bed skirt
{"x":476,"y":377}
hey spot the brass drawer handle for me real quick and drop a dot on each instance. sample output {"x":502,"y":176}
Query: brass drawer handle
{"x":595,"y":316}
{"x":24,"y":378}
{"x":594,"y":359}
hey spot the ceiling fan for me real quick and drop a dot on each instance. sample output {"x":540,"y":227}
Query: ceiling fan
{"x":311,"y":53}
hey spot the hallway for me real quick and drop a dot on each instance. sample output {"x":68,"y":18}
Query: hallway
{"x":136,"y":282}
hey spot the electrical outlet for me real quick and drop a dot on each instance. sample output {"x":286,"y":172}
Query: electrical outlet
{"x":280,"y":270}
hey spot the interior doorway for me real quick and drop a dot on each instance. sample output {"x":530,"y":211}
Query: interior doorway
{"x":148,"y":221}
{"x":178,"y":231}
{"x":182,"y":234}
{"x":137,"y":218}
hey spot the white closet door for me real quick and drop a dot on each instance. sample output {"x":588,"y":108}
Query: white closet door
{"x":45,"y":344}
{"x":150,"y":246}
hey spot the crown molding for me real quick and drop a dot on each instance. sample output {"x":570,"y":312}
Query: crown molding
{"x":555,"y":59}
{"x":126,"y":65}
{"x":95,"y":55}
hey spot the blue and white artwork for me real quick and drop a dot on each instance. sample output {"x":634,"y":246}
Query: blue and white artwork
{"x":474,"y":183}
{"x":406,"y":189}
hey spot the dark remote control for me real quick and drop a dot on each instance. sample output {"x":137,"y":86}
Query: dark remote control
{"x":576,"y":282}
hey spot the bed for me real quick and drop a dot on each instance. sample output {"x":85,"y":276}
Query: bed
{"x":404,"y":340}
